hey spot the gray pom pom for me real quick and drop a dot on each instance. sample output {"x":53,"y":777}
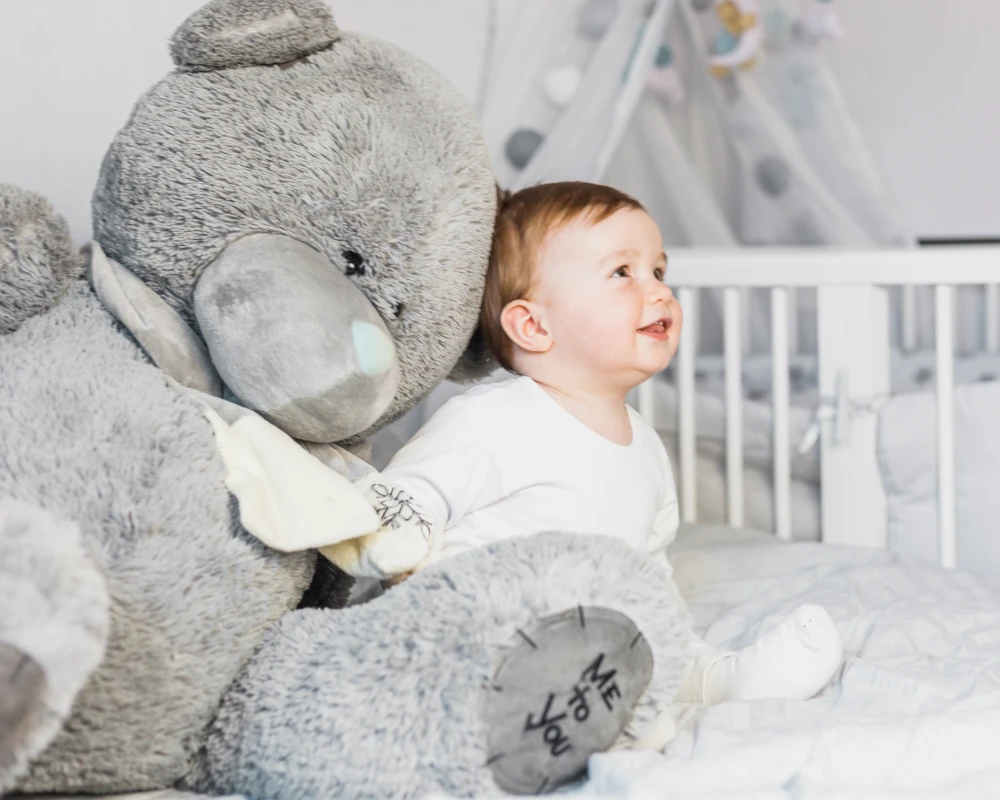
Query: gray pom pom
{"x":773,"y":175}
{"x":521,"y":146}
{"x":37,"y":257}
{"x":243,"y":33}
{"x":596,"y":16}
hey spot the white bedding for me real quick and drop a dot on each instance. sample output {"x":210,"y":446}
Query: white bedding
{"x":915,"y":712}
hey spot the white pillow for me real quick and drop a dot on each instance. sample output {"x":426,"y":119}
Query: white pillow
{"x":907,"y":452}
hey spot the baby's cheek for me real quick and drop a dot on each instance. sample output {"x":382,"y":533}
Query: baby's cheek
{"x":676,"y":314}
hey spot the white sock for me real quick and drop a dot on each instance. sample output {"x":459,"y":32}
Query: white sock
{"x":793,"y":661}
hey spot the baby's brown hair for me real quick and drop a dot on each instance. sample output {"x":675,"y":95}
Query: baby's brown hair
{"x":525,"y":219}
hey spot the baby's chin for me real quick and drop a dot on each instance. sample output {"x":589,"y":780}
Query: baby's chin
{"x":643,"y":369}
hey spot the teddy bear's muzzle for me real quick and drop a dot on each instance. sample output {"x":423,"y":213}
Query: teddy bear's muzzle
{"x":294,"y":339}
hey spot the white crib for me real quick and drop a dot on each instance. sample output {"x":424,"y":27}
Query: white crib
{"x":853,"y":344}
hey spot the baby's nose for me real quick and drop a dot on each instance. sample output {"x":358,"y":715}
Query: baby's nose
{"x":662,"y":292}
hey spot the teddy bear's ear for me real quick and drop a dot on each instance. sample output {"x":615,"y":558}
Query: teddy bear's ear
{"x":167,"y":339}
{"x":243,"y":33}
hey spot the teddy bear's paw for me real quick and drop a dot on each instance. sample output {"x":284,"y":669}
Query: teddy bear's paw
{"x":241,"y":33}
{"x":563,"y":691}
{"x":37,"y":258}
{"x":22,"y":686}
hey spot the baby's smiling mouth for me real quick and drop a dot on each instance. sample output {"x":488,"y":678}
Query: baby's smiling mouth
{"x":658,"y":329}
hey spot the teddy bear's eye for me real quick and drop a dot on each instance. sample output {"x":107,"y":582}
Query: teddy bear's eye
{"x":355,"y":263}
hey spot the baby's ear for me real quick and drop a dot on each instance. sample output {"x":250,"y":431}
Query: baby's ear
{"x":476,"y":362}
{"x":224,"y":34}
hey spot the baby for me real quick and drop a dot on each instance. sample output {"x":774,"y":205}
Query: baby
{"x":576,"y":307}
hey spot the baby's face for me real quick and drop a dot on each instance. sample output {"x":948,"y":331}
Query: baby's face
{"x":606,"y":306}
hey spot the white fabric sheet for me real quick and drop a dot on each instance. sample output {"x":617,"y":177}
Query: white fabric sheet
{"x":915,"y":712}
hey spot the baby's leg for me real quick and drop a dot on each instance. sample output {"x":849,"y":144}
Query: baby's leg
{"x":793,"y":661}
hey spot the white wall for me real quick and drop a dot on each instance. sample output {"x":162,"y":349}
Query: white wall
{"x":921,"y":78}
{"x":917,"y":73}
{"x":71,"y":70}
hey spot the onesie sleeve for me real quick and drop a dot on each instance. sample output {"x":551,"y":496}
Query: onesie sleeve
{"x":449,"y":467}
{"x":667,"y":518}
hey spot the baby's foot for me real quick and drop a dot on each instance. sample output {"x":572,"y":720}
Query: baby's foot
{"x":793,"y":661}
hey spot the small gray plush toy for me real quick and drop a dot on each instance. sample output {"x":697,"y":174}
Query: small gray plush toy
{"x":294,"y":223}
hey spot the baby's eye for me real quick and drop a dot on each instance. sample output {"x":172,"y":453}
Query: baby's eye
{"x":660,"y":273}
{"x":621,"y":272}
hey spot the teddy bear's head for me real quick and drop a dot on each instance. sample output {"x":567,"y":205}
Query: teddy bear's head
{"x":317,"y":206}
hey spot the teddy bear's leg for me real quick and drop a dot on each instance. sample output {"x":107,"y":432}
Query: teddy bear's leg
{"x":53,"y":630}
{"x":501,"y":669}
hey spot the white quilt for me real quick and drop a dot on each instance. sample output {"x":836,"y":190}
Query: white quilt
{"x":915,"y":712}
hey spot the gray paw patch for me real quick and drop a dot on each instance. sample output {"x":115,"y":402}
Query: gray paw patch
{"x":564,"y":690}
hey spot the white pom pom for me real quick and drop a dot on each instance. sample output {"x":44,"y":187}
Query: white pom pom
{"x":561,"y":84}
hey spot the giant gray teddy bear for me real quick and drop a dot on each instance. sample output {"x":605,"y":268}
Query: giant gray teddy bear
{"x":274,"y":212}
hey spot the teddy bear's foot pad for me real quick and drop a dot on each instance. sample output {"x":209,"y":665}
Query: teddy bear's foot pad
{"x":22,"y":683}
{"x":565,"y":689}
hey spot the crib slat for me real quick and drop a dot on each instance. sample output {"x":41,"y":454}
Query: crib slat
{"x":908,"y":334}
{"x":781,"y":397}
{"x":734,"y":405}
{"x":746,"y":319}
{"x":993,"y":318}
{"x":686,"y":419}
{"x":647,"y":402}
{"x":792,"y":304}
{"x":945,"y":348}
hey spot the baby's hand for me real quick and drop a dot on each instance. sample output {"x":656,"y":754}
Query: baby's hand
{"x":398,"y":547}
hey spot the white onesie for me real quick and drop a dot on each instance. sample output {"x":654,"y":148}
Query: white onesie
{"x":506,"y":460}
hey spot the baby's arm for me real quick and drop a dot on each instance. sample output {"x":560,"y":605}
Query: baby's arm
{"x":440,"y":475}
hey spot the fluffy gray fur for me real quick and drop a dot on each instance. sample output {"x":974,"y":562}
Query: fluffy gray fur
{"x":55,"y":610}
{"x":244,"y":33}
{"x":358,"y":148}
{"x":96,"y":434}
{"x":37,"y":257}
{"x":327,"y":709}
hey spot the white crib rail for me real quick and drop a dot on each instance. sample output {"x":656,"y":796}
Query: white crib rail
{"x":686,"y":422}
{"x":993,"y":318}
{"x":781,"y":402}
{"x":733,"y":300}
{"x":944,"y":346}
{"x":854,"y":349}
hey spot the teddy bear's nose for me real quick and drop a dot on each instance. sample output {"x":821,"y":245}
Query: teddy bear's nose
{"x":375,"y":350}
{"x":295,"y":339}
